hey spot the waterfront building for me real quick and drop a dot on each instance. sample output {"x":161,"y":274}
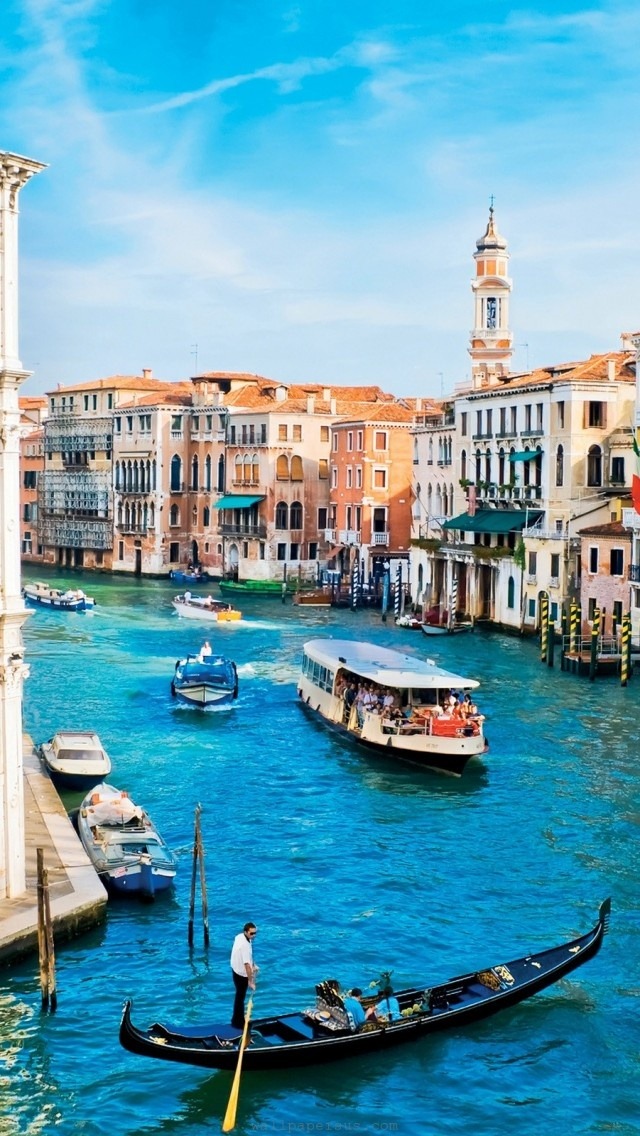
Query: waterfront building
{"x":370,"y":505}
{"x":32,"y":414}
{"x":605,"y":559}
{"x":15,"y":172}
{"x":76,"y":497}
{"x":535,"y":456}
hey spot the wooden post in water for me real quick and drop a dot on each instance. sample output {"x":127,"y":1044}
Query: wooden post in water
{"x":203,"y":885}
{"x":595,"y":638}
{"x":564,"y":623}
{"x":194,"y":870}
{"x":574,"y":628}
{"x":625,"y":648}
{"x":544,"y":627}
{"x":46,"y":955}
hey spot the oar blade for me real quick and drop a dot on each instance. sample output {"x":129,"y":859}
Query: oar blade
{"x":229,"y":1122}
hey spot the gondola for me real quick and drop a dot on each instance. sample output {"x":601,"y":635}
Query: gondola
{"x":322,"y":1033}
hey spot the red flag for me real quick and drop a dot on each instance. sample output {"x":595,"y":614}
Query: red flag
{"x":635,"y":492}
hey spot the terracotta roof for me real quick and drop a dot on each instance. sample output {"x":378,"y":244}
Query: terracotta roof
{"x":32,"y":402}
{"x":594,"y":369}
{"x":114,"y":382}
{"x":173,"y":394}
{"x":388,"y":412}
{"x":607,"y":528}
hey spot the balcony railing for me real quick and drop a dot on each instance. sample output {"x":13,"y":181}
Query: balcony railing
{"x":554,"y":582}
{"x":349,"y":536}
{"x":243,"y":529}
{"x":330,"y":536}
{"x":380,"y":538}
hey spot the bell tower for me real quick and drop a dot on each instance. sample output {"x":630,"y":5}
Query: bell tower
{"x":491,"y":340}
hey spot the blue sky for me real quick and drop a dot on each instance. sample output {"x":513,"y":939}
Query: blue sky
{"x":297,"y":187}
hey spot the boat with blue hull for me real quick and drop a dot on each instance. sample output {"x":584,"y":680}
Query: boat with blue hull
{"x":205,"y":680}
{"x":326,"y":1032}
{"x":71,"y":599}
{"x":189,"y":575}
{"x":123,"y":844}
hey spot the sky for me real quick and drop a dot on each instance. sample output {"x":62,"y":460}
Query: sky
{"x":295,"y":189}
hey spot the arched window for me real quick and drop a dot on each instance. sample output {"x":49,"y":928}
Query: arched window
{"x":445,"y":502}
{"x":136,"y":477}
{"x":194,"y":471}
{"x":143,"y":480}
{"x":207,"y":473}
{"x":150,"y":484}
{"x":420,"y":579}
{"x":152,"y":515}
{"x":295,"y":516}
{"x":282,"y":468}
{"x":429,"y":497}
{"x":238,"y":468}
{"x":511,"y":592}
{"x":296,"y":468}
{"x":129,"y":477}
{"x":176,"y":472}
{"x":246,"y":465}
{"x":512,"y":469}
{"x":127,"y":516}
{"x":560,"y":465}
{"x":438,"y":502}
{"x":174,"y":515}
{"x":501,"y":477}
{"x":450,"y":500}
{"x":537,"y":472}
{"x":153,"y":474}
{"x":117,"y":476}
{"x":478,"y":477}
{"x":255,"y":469}
{"x":120,"y":513}
{"x":282,"y":515}
{"x":220,"y":485}
{"x":430,"y":458}
{"x":145,"y":516}
{"x":487,"y":466}
{"x":594,"y":466}
{"x":206,"y":517}
{"x":463,"y":465}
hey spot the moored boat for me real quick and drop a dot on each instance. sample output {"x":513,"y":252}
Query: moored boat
{"x":326,"y":1033}
{"x":189,"y":575}
{"x":253,"y":587}
{"x":205,"y":680}
{"x":319,"y":597}
{"x":205,"y":608}
{"x":123,"y":844}
{"x":71,"y":599}
{"x":391,"y":702}
{"x":410,"y":622}
{"x":444,"y":623}
{"x":75,"y":759}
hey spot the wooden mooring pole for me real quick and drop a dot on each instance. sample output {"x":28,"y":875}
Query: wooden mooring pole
{"x":46,"y":952}
{"x":198,"y":864}
{"x":564,"y":625}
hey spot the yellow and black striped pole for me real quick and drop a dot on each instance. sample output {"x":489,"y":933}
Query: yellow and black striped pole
{"x":551,"y":636}
{"x":564,"y":634}
{"x":625,"y":647}
{"x":595,"y":638}
{"x":544,"y":627}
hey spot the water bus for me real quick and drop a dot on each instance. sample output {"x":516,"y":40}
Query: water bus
{"x":391,"y":702}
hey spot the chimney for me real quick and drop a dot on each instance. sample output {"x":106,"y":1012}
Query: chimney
{"x":311,"y":403}
{"x":611,"y":370}
{"x":418,"y":404}
{"x":333,"y":406}
{"x":326,"y":394}
{"x":281,"y":394}
{"x":146,"y":372}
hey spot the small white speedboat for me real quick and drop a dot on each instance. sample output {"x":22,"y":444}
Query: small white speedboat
{"x":75,"y":759}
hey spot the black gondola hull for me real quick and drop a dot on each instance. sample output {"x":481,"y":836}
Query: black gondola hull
{"x":293,"y":1040}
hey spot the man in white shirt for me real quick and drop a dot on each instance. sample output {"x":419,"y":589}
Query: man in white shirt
{"x":243,"y":970}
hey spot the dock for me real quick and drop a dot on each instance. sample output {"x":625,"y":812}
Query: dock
{"x":77,"y":897}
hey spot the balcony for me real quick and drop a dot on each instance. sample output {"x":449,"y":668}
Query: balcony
{"x":554,"y":582}
{"x":348,"y":536}
{"x":531,"y":578}
{"x":243,"y":528}
{"x":330,"y":536}
{"x":380,"y":538}
{"x":483,"y":437}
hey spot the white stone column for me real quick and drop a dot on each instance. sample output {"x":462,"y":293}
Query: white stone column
{"x":15,"y":171}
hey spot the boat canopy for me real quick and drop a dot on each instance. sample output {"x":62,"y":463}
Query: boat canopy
{"x":384,"y":666}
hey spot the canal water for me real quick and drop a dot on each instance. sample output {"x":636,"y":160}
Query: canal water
{"x":350,"y":865}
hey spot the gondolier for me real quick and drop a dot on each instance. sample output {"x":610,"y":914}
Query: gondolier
{"x":243,"y":970}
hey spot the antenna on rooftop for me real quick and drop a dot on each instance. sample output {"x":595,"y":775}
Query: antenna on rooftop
{"x":194,"y":352}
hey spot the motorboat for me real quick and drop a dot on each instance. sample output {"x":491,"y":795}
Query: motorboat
{"x":409,"y":716}
{"x":205,"y":680}
{"x":189,"y":606}
{"x":325,"y":1031}
{"x":75,"y":759}
{"x":123,"y":844}
{"x":71,"y":599}
{"x":188,"y":575}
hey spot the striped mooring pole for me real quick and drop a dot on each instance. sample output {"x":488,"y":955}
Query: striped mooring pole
{"x":625,"y":648}
{"x":595,"y":638}
{"x":544,"y":627}
{"x":355,"y":585}
{"x":573,"y":626}
{"x":397,"y":599}
{"x":453,"y":602}
{"x":564,"y":634}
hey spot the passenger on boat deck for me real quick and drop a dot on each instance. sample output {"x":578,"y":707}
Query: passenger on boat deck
{"x":387,"y":1009}
{"x":353,"y":1006}
{"x":388,"y":701}
{"x":350,"y":695}
{"x":187,"y":597}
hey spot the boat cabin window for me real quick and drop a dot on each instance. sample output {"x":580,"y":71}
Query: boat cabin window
{"x":319,"y":675}
{"x":424,"y":697}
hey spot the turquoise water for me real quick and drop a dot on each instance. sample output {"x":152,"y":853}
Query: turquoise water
{"x":349,"y":865}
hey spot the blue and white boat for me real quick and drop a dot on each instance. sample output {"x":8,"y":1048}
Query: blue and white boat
{"x":205,"y":680}
{"x":43,"y":595}
{"x":188,"y":575}
{"x":123,"y":844}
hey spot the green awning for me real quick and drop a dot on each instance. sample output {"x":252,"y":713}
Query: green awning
{"x":494,"y":520}
{"x":237,"y":501}
{"x":525,"y":455}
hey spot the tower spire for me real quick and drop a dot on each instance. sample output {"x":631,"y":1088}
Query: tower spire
{"x":491,"y":346}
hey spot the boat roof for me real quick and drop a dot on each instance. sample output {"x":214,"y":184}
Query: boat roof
{"x":384,"y":666}
{"x":77,"y":739}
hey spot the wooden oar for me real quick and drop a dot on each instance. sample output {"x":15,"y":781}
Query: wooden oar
{"x":230,"y":1115}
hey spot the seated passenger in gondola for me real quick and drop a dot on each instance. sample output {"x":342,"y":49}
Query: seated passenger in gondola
{"x":355,"y":1009}
{"x":387,"y":1009}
